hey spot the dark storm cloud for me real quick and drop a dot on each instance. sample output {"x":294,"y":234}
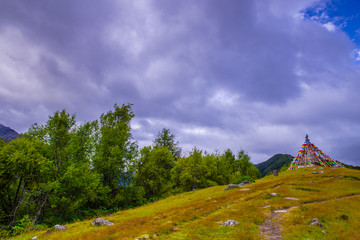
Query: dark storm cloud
{"x":239,"y":74}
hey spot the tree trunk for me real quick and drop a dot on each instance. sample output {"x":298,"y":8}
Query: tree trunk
{"x":37,"y":216}
{"x":12,"y":223}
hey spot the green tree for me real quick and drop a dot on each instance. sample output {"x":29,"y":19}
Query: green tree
{"x":115,"y":149}
{"x":166,"y":139}
{"x":56,"y":135}
{"x":226,"y":167}
{"x":244,"y":167}
{"x":154,"y":171}
{"x":189,"y":172}
{"x":23,"y":170}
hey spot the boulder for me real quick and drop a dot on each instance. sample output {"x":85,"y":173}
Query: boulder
{"x":59,"y":227}
{"x":101,"y":222}
{"x":230,"y":223}
{"x":236,"y":185}
{"x":315,"y":222}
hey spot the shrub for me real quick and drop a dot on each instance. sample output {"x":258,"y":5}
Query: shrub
{"x":241,"y":179}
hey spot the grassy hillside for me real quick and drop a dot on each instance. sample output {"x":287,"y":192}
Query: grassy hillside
{"x":274,"y":163}
{"x":332,"y":196}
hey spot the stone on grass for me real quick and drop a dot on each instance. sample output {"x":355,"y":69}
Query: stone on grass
{"x":274,"y":194}
{"x":291,"y":198}
{"x":323,"y":231}
{"x":236,"y":185}
{"x":245,"y":189}
{"x":315,"y":173}
{"x":315,"y":222}
{"x":34,"y":238}
{"x":230,"y":223}
{"x":59,"y":227}
{"x":101,"y":222}
{"x":143,"y":237}
{"x":280,"y":211}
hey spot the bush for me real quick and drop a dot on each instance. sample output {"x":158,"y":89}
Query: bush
{"x":241,"y":179}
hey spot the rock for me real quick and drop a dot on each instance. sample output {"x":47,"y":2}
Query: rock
{"x":321,"y":171}
{"x":315,"y":173}
{"x":311,"y":181}
{"x":169,"y":222}
{"x":323,"y":231}
{"x":230,"y":223}
{"x":59,"y":227}
{"x":280,"y":211}
{"x":143,"y":237}
{"x":101,"y":222}
{"x":274,"y":194}
{"x":34,"y":238}
{"x":291,"y":198}
{"x":320,"y":168}
{"x":236,"y":185}
{"x":315,"y":222}
{"x":266,"y":206}
{"x":245,"y":189}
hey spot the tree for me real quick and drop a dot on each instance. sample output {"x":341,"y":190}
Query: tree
{"x":166,"y":139}
{"x":226,"y":167}
{"x":189,"y":173}
{"x":115,"y":149}
{"x":23,"y":170}
{"x":154,"y":171}
{"x":244,"y":167}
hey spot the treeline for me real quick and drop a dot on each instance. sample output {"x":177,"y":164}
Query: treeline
{"x":64,"y":171}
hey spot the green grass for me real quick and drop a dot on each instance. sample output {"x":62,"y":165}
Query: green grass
{"x":198,"y":214}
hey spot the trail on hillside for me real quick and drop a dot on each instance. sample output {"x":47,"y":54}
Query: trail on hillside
{"x":271,"y":228}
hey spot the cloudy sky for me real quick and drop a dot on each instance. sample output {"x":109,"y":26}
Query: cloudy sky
{"x":251,"y":74}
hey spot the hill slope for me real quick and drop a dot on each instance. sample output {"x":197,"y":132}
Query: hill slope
{"x":274,"y":163}
{"x":330,"y":196}
{"x":7,"y":133}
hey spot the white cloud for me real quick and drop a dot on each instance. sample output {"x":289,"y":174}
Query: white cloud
{"x":330,"y":26}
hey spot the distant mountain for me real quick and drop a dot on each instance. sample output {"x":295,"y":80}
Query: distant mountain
{"x":274,"y":163}
{"x":7,"y":133}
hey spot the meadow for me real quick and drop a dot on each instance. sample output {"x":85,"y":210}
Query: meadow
{"x":332,"y":196}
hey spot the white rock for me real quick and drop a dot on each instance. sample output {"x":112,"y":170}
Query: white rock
{"x":101,"y":222}
{"x":291,"y":198}
{"x":230,"y":223}
{"x":59,"y":227}
{"x":280,"y":211}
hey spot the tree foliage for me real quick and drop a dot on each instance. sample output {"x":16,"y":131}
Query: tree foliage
{"x":62,"y":171}
{"x":166,"y":139}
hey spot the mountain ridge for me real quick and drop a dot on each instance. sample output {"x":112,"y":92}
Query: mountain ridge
{"x":7,"y":134}
{"x":276,"y":162}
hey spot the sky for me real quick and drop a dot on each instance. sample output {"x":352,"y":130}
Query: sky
{"x":255,"y":75}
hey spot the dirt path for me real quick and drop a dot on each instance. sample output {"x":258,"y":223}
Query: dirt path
{"x":271,"y":228}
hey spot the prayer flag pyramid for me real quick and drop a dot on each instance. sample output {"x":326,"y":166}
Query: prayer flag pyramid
{"x":310,"y":155}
